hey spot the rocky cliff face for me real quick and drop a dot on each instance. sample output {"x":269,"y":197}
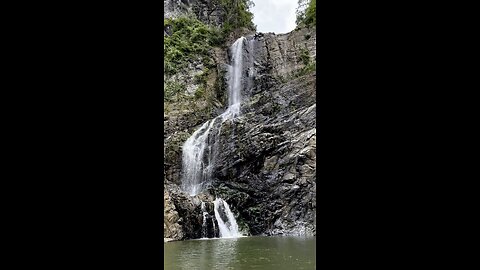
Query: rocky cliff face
{"x":266,"y":164}
{"x":206,"y":11}
{"x":265,"y":159}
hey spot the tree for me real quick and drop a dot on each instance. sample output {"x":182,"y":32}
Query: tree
{"x":306,"y":12}
{"x":301,"y":8}
{"x":310,"y":13}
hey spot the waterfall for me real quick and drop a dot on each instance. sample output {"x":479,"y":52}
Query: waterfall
{"x":194,"y":171}
{"x":198,"y":153}
{"x":204,"y":224}
{"x":196,"y":166}
{"x":226,"y":221}
{"x":214,"y":229}
{"x":235,"y":77}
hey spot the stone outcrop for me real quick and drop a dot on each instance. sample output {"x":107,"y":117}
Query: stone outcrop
{"x":171,"y":227}
{"x":266,"y":167}
{"x":207,"y":11}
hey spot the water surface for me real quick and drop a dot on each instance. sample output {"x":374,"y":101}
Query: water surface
{"x":269,"y":253}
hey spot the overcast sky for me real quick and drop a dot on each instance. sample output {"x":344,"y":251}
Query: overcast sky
{"x":276,"y":16}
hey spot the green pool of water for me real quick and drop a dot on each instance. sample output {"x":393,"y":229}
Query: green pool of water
{"x":276,"y":253}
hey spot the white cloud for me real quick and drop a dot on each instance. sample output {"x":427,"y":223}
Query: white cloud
{"x":276,"y":16}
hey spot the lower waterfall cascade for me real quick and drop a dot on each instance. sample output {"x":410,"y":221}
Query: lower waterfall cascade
{"x":226,"y":221}
{"x":204,"y":222}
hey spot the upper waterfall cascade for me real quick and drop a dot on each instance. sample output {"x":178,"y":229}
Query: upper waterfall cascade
{"x":198,"y":151}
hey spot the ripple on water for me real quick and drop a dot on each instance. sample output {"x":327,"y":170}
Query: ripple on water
{"x":276,"y":253}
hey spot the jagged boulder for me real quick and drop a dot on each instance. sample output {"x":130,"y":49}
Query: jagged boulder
{"x":171,"y":227}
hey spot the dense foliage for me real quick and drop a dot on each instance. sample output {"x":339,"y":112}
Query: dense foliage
{"x":237,"y":15}
{"x":306,"y":12}
{"x":187,"y":39}
{"x":310,"y":14}
{"x":301,"y":7}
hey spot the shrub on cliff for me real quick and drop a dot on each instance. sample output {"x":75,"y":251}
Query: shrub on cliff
{"x":237,"y":15}
{"x":306,"y":12}
{"x":187,"y":39}
{"x":310,"y":13}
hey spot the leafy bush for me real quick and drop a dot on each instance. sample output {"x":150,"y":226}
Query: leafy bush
{"x":237,"y":15}
{"x":306,"y":14}
{"x":171,"y":89}
{"x":307,"y":61}
{"x":187,"y":39}
{"x":300,"y":12}
{"x":310,"y":13}
{"x":304,"y":55}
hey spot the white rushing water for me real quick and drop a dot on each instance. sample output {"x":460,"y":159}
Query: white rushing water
{"x":198,"y":154}
{"x":204,"y":224}
{"x":196,"y":165}
{"x":235,"y":77}
{"x":194,"y":172}
{"x":226,"y":221}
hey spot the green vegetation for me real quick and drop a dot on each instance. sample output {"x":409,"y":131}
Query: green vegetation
{"x":301,"y":7}
{"x":310,"y":14}
{"x":202,"y":77}
{"x":187,"y":39}
{"x":237,"y":15}
{"x":305,"y":56}
{"x":307,"y":69}
{"x":306,"y":14}
{"x":175,"y":91}
{"x":309,"y":64}
{"x":201,"y":80}
{"x":307,"y":61}
{"x":171,"y":89}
